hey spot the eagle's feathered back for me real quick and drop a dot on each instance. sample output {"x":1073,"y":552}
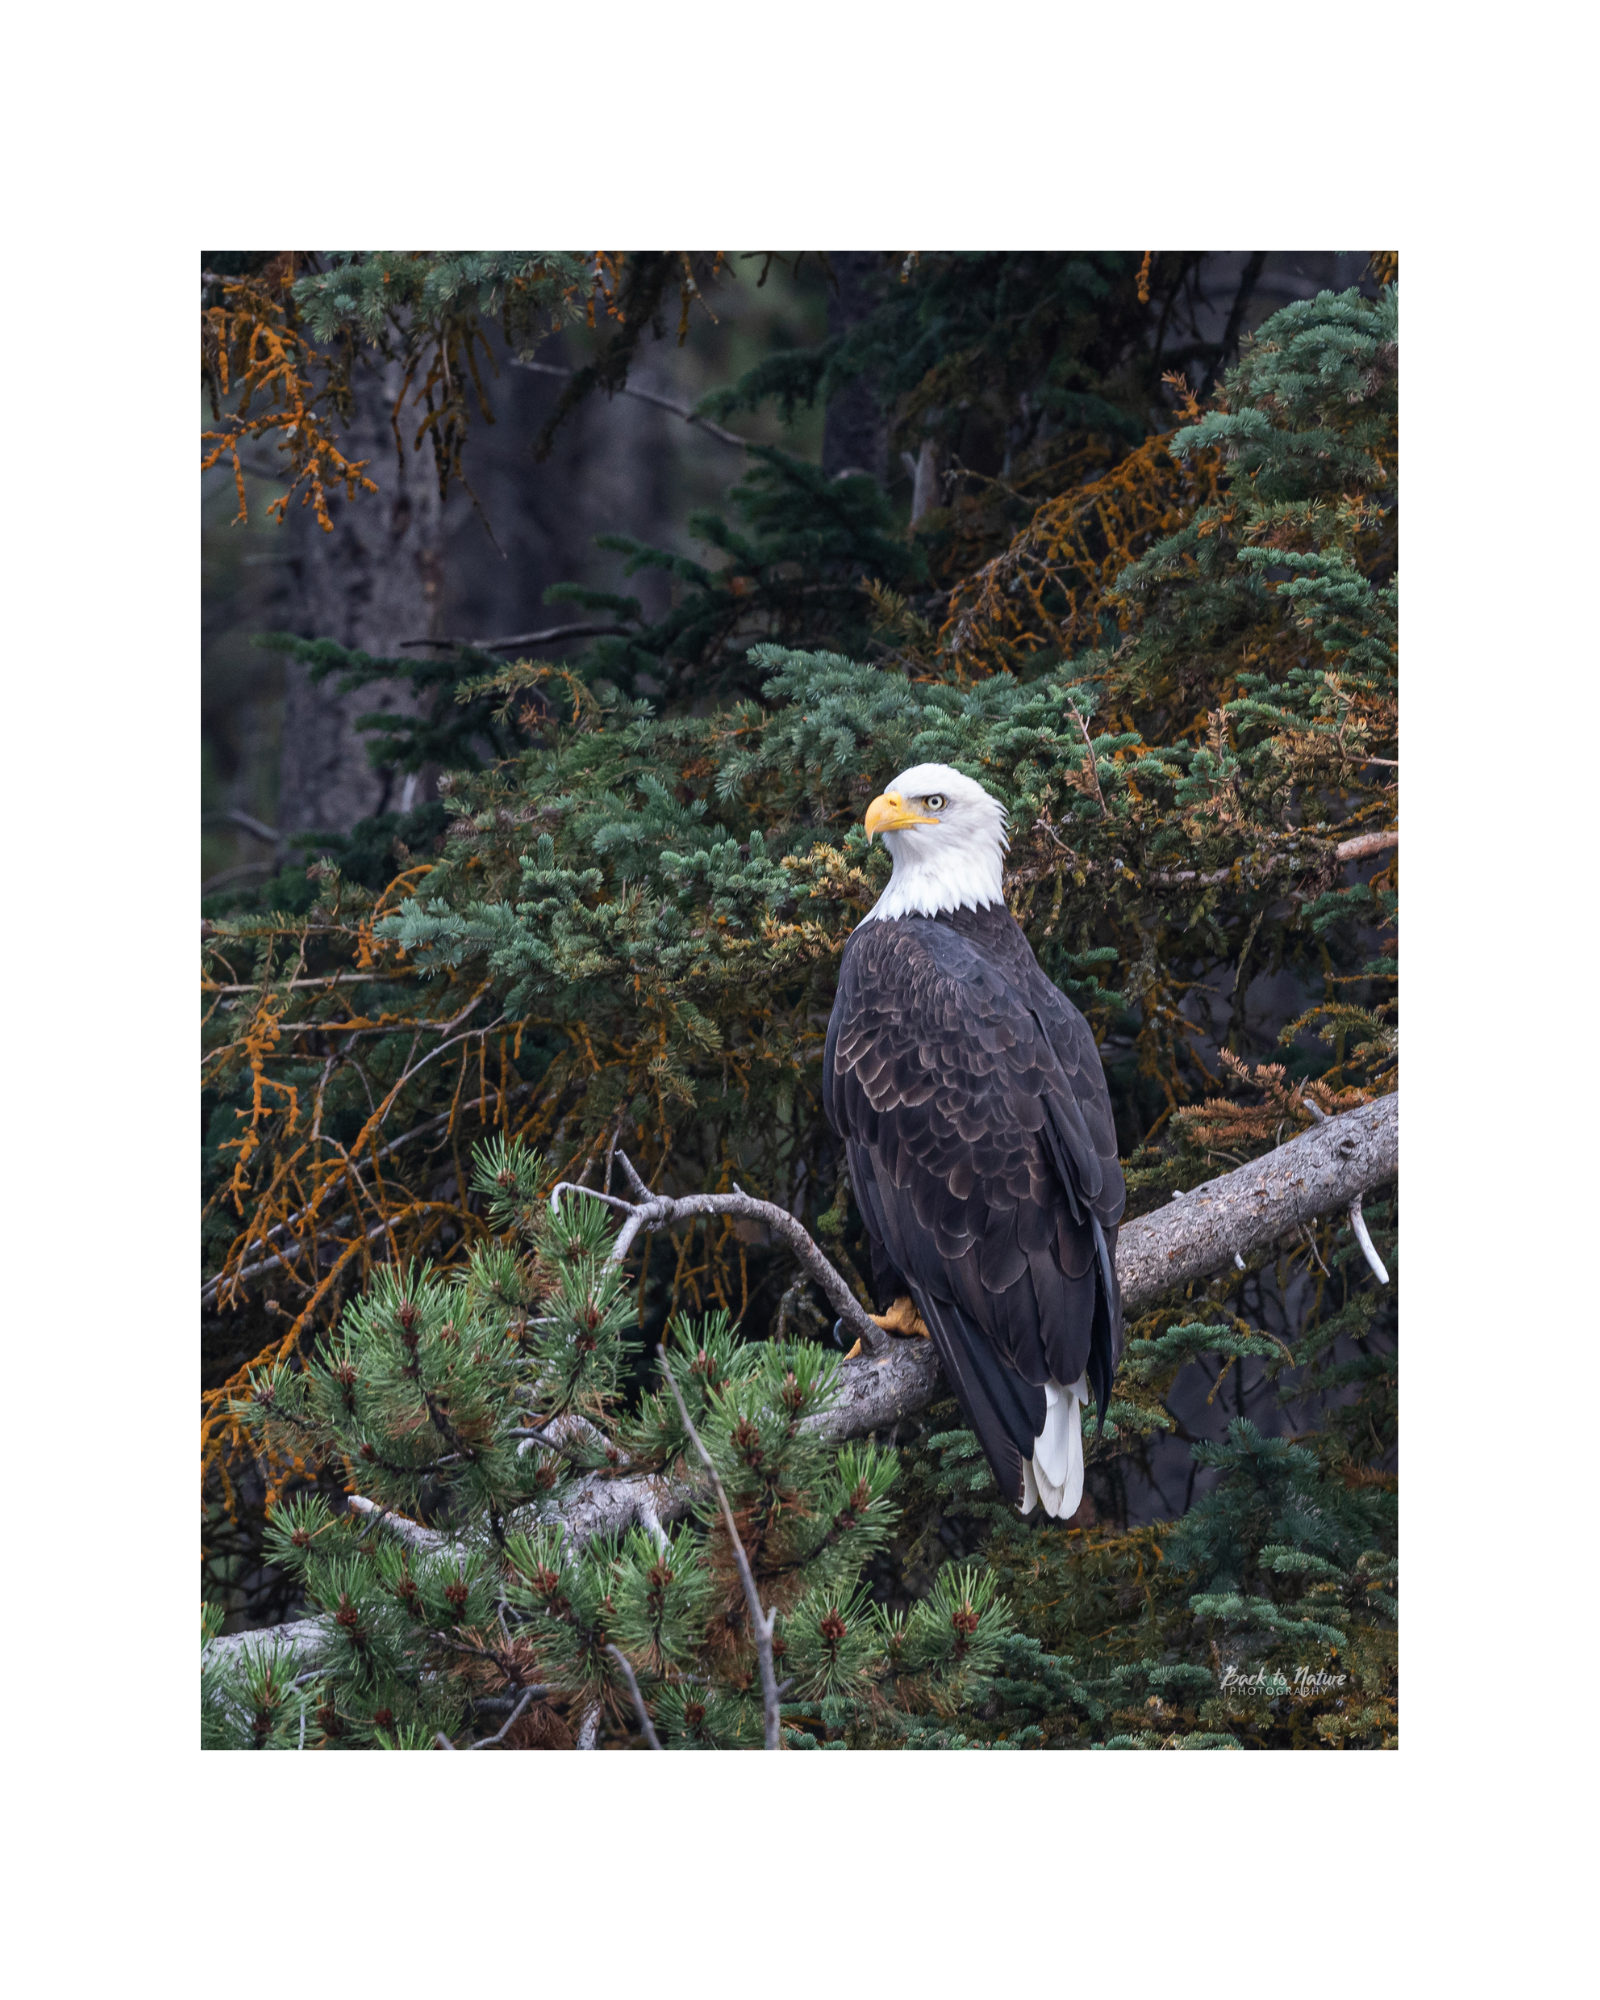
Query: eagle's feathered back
{"x":982,"y":1151}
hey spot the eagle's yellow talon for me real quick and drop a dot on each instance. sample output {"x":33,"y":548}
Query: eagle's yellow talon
{"x":853,"y":1352}
{"x":902,"y":1318}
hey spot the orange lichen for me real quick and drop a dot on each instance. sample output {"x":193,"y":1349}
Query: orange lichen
{"x":1051,"y":588}
{"x":251,"y":347}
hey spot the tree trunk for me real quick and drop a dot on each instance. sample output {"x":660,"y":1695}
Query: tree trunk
{"x":855,"y":433}
{"x":371,"y":583}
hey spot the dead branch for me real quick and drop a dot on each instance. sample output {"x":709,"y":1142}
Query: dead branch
{"x":639,"y":1708}
{"x":212,"y":1290}
{"x":1251,"y":1207}
{"x":489,"y":1742}
{"x":648,"y":396}
{"x":414,"y":1537}
{"x":659,"y":1211}
{"x":209,"y":1290}
{"x":1355,"y":849}
{"x":232,"y":816}
{"x":1367,"y":843}
{"x":550,"y":636}
{"x":1358,"y":1223}
{"x":331,"y":979}
{"x":761,"y":1622}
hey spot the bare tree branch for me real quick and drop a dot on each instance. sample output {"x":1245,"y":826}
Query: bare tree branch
{"x":659,"y":1211}
{"x":548,"y":637}
{"x":761,"y":1622}
{"x":531,"y":1437}
{"x":236,"y":874}
{"x":234,"y":817}
{"x":1251,"y":1207}
{"x":648,"y":396}
{"x":1363,"y":844}
{"x":640,"y":1710}
{"x":209,"y":1290}
{"x":1358,"y":1223}
{"x":426,"y":1540}
{"x":330,"y":979}
{"x":352,"y":1175}
{"x":511,"y":1719}
{"x":1357,"y":848}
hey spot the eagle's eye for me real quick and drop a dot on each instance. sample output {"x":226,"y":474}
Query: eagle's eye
{"x":934,"y":801}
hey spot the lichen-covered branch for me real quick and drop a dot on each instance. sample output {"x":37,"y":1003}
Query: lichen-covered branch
{"x":1358,"y":848}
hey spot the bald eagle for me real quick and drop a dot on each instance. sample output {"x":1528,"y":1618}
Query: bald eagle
{"x":979,"y":1139}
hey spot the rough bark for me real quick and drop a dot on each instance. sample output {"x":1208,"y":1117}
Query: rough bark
{"x":1253,"y":1206}
{"x":1199,"y":1232}
{"x":372,"y":583}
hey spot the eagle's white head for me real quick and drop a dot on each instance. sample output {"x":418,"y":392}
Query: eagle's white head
{"x":946,"y":835}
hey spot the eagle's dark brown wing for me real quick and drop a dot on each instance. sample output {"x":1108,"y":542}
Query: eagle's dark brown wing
{"x":983,"y":1155}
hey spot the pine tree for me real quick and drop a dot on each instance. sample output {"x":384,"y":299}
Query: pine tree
{"x":478,"y":1404}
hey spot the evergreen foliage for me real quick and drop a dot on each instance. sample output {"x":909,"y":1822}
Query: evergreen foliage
{"x":1175,"y":661}
{"x":1041,"y":348}
{"x":268,"y":379}
{"x":477,"y":1403}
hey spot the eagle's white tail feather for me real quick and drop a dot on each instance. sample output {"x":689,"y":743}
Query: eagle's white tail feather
{"x":1054,"y":1475}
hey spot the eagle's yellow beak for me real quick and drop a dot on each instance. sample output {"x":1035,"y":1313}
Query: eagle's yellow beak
{"x":889,"y":813}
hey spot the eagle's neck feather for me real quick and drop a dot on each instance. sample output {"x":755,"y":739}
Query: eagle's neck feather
{"x":933,"y":877}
